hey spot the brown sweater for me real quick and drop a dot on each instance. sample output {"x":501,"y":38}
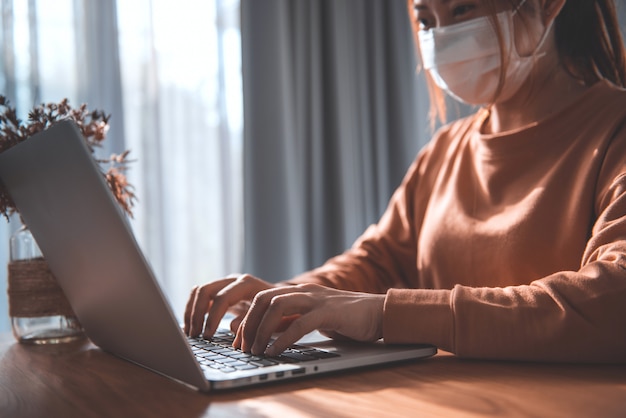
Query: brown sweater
{"x":506,"y":246}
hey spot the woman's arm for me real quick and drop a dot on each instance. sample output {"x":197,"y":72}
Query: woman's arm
{"x":567,"y":316}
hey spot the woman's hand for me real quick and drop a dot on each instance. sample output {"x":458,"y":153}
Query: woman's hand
{"x":216,"y":298}
{"x":309,"y":307}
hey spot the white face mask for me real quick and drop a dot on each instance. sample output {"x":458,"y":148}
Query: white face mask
{"x":464,"y":59}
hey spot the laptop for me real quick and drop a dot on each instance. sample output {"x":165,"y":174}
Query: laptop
{"x":62,"y":196}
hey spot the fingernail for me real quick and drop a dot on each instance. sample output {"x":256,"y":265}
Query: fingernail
{"x":271,"y":351}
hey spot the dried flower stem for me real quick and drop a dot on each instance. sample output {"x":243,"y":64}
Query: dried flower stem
{"x":93,"y":126}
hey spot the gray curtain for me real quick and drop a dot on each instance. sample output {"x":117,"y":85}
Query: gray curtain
{"x":334,"y":115}
{"x":99,"y":79}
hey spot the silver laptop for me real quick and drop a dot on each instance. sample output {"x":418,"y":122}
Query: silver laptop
{"x":88,"y":243}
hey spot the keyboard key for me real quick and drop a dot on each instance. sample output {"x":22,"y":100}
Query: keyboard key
{"x":246,"y":366}
{"x":238,"y":364}
{"x":243,"y":356}
{"x":298,"y":357}
{"x":264,"y":362}
{"x":222,"y":350}
{"x":226,"y":360}
{"x":322,"y":354}
{"x":218,"y":354}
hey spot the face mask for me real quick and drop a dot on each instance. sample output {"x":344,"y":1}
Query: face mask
{"x":464,"y":59}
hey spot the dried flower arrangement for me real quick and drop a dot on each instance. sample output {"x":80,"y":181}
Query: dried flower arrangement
{"x":93,"y":126}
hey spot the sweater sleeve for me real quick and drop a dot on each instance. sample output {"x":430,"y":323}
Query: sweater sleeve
{"x":570,"y":316}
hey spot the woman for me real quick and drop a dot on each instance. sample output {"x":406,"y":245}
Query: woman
{"x":507,"y":237}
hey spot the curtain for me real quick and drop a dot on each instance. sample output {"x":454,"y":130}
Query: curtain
{"x":170,"y":76}
{"x":334,"y":116}
{"x":182,"y":67}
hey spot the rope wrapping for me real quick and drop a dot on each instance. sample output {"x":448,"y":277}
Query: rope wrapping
{"x":34,"y":292}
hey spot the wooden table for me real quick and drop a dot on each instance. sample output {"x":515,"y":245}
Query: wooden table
{"x":79,"y":380}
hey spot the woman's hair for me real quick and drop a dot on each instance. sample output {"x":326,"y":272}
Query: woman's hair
{"x":588,"y":41}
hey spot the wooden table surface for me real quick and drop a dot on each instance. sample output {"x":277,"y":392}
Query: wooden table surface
{"x":79,"y":380}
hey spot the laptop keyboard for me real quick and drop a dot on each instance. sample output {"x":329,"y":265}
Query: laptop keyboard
{"x":219,"y":354}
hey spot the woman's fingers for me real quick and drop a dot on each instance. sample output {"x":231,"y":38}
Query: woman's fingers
{"x":229,"y":296}
{"x":189,"y":308}
{"x":357,"y":316}
{"x":298,"y":329}
{"x":279,"y":307}
{"x":247,"y":330}
{"x":294,"y":310}
{"x":239,"y":311}
{"x":271,"y":310}
{"x":199,"y":304}
{"x":215,"y":299}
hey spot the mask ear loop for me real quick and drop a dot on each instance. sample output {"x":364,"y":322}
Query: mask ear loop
{"x":542,"y":41}
{"x":543,"y":37}
{"x":519,"y":6}
{"x":534,"y":54}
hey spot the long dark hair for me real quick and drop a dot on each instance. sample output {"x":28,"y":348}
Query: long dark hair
{"x":589,"y":41}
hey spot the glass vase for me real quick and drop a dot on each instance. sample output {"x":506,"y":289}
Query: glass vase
{"x":39,"y":311}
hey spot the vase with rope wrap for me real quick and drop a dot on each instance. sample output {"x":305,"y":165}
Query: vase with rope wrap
{"x":39,"y":310}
